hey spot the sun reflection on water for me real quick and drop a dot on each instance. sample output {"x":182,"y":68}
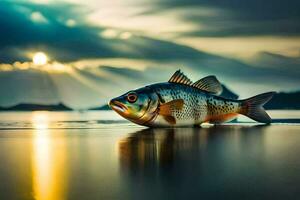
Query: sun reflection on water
{"x":48,"y":161}
{"x":40,"y":120}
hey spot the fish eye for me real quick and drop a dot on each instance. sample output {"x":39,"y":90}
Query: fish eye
{"x":132,"y":97}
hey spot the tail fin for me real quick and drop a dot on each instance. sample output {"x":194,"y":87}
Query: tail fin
{"x":253,"y":107}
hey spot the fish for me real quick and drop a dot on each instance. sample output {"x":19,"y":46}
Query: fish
{"x":181,"y":102}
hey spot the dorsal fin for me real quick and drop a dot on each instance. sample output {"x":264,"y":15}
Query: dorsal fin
{"x":209,"y":84}
{"x":179,"y":77}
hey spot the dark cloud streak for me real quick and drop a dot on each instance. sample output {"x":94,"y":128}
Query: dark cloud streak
{"x":20,"y":34}
{"x":237,"y":18}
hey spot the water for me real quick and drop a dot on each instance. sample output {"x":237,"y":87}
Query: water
{"x":98,"y":155}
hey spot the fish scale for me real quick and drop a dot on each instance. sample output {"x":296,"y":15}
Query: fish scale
{"x":225,"y":109}
{"x":195,"y":105}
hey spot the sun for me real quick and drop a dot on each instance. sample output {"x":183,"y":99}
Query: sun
{"x":40,"y":58}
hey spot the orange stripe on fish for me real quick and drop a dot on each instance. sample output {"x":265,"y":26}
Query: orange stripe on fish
{"x":221,"y":118}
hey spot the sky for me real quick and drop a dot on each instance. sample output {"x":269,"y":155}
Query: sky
{"x":98,"y":49}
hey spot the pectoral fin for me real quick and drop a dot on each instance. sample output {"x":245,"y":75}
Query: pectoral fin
{"x":166,"y":110}
{"x":170,"y":119}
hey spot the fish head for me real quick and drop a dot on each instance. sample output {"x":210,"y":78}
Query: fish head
{"x":138,"y":105}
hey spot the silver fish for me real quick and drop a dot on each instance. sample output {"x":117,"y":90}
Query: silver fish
{"x":180,"y":102}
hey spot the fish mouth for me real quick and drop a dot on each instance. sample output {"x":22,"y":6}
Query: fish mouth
{"x":117,"y":106}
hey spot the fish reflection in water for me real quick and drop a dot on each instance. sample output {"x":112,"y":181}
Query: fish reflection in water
{"x":191,"y":162}
{"x":155,"y":146}
{"x":160,"y":147}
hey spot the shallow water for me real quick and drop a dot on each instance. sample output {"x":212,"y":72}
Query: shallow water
{"x":98,"y":155}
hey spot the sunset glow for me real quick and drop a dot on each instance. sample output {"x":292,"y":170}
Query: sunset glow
{"x":76,"y":51}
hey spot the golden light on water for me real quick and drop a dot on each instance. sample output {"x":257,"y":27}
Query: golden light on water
{"x":40,"y":58}
{"x":40,"y":120}
{"x":48,"y":160}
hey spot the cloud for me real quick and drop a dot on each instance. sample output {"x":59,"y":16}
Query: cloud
{"x":89,"y":64}
{"x":244,"y":47}
{"x":38,"y":18}
{"x":235,"y":18}
{"x":63,"y":31}
{"x":38,"y":27}
{"x":275,"y":61}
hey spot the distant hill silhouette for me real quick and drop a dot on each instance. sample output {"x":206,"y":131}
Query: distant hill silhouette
{"x":104,"y":107}
{"x":36,"y":107}
{"x":284,"y":100}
